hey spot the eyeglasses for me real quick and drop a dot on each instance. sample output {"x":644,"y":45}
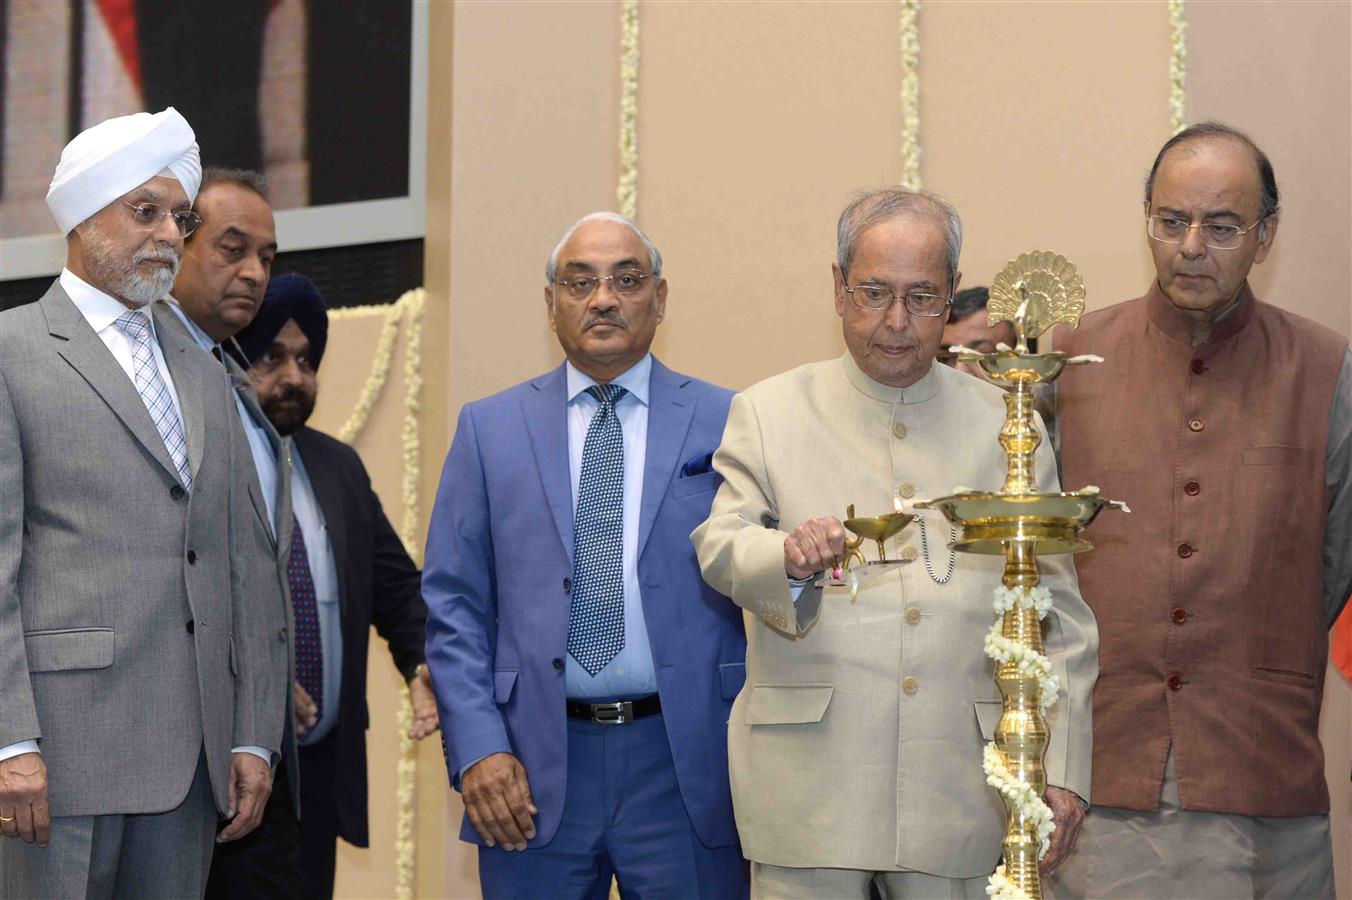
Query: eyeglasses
{"x":623,"y":282}
{"x":1217,"y":236}
{"x":881,"y":297}
{"x":148,"y":215}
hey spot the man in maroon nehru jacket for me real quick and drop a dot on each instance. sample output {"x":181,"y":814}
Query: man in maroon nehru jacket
{"x":1226,"y":423}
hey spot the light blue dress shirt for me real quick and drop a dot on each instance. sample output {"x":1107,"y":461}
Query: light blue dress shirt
{"x":264,"y":457}
{"x":324,"y":573}
{"x":630,"y":674}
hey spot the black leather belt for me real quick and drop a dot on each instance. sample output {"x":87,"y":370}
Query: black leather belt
{"x":621,"y":712}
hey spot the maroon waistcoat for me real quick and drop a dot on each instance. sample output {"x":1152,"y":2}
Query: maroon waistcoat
{"x":1209,"y":595}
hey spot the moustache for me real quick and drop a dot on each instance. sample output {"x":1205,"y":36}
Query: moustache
{"x":605,"y":318}
{"x":164,"y":255}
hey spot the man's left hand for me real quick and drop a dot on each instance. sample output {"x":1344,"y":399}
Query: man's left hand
{"x":1068,"y":815}
{"x":250,"y":786}
{"x":424,"y":704}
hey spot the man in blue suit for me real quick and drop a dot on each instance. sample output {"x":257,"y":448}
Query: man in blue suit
{"x":583,"y":670}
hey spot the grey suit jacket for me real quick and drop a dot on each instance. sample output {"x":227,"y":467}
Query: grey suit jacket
{"x":264,"y":556}
{"x":126,"y":647}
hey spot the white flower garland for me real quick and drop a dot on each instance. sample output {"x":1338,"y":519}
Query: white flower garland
{"x":1020,"y":794}
{"x":1178,"y":66}
{"x":627,"y":192}
{"x":407,"y":310}
{"x":910,"y":95}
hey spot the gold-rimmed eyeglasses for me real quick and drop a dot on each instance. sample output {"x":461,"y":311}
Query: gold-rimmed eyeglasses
{"x":625,"y":281}
{"x":1216,"y":235}
{"x":881,"y":297}
{"x":148,"y":215}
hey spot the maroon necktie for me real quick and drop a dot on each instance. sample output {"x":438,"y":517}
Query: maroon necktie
{"x":309,"y":649}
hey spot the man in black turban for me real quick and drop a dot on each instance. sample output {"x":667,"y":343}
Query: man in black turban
{"x":348,"y":570}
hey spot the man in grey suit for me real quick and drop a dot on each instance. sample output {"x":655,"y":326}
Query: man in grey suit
{"x":227,"y":264}
{"x":136,"y":698}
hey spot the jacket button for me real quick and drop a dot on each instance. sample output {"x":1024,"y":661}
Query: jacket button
{"x":557,"y":663}
{"x":909,"y":553}
{"x":567,"y":585}
{"x":177,"y":492}
{"x":899,"y":429}
{"x":1175,"y":682}
{"x":1186,"y":550}
{"x":281,"y":635}
{"x":1180,"y":615}
{"x":1198,"y":367}
{"x":905,"y":490}
{"x":1192,"y":489}
{"x":909,"y":684}
{"x":913,"y":615}
{"x":190,"y":626}
{"x":192,"y":557}
{"x":1196,"y":424}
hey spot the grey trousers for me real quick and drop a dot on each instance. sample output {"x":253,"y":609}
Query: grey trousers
{"x":1178,"y":853}
{"x":167,"y":855}
{"x":781,"y":883}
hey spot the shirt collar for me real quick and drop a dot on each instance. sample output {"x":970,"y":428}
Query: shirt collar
{"x":200,"y":337}
{"x":99,"y":309}
{"x":1166,"y":317}
{"x":634,"y":379}
{"x":927,"y":388}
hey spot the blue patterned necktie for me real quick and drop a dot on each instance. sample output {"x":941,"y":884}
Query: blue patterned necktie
{"x":154,"y":392}
{"x":309,"y":647}
{"x":596,"y":619}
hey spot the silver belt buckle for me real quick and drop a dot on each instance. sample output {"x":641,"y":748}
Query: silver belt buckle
{"x":621,"y":713}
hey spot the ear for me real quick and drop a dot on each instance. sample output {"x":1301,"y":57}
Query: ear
{"x":957,"y":283}
{"x":661,"y":299}
{"x":838,"y":278}
{"x":1269,"y":229}
{"x":549,"y":306}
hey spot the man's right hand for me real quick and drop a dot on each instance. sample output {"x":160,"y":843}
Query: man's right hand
{"x":498,"y":801}
{"x":817,"y":544}
{"x":307,"y":713}
{"x":23,"y":799}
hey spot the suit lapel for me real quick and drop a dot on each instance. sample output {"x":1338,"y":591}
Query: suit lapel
{"x":670,"y":409}
{"x":87,"y":354}
{"x":546,"y":412}
{"x":239,"y":380}
{"x":186,"y":371}
{"x":328,"y":488}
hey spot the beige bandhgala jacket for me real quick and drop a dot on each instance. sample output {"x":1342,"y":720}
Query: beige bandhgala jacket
{"x":857,"y":740}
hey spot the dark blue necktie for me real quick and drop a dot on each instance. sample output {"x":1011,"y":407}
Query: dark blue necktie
{"x":596,"y":619}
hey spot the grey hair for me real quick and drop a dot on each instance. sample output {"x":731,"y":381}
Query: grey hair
{"x":654,"y":255}
{"x":887,"y":204}
{"x":245,"y":178}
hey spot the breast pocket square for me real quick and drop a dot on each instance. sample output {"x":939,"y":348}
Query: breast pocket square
{"x":698,"y":465}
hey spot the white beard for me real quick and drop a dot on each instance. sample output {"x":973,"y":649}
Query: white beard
{"x":122,"y":279}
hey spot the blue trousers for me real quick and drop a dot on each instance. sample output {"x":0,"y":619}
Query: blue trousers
{"x":623,"y":817}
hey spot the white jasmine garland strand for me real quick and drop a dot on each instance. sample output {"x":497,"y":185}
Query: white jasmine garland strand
{"x":999,"y":887}
{"x":910,"y":95}
{"x":408,"y":310}
{"x":1028,"y":661}
{"x":627,"y":191}
{"x":1021,"y":794}
{"x":1178,"y":66}
{"x":1038,"y":598}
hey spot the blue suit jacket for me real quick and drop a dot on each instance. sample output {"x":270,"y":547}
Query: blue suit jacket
{"x":497,"y":574}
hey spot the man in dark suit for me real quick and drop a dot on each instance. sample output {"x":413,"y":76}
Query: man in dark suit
{"x":348,"y":570}
{"x":584,"y":670}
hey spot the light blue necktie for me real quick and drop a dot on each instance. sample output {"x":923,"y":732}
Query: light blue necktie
{"x":596,"y":618}
{"x":154,"y":392}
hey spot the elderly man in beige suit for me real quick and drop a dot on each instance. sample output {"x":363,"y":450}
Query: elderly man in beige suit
{"x":855,"y":747}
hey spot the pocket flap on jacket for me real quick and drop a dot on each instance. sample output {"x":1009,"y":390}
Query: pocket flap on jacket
{"x":787,"y":704}
{"x":731,"y":677}
{"x":988,"y":713}
{"x":69,"y":648}
{"x":503,"y":682}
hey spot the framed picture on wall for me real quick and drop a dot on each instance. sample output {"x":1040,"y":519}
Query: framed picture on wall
{"x":326,"y":97}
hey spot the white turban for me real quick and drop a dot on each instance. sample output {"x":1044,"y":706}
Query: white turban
{"x":118,"y":155}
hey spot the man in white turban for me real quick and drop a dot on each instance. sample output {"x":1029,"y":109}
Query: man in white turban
{"x":137,"y":706}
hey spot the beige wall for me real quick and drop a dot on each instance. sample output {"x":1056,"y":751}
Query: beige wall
{"x":1039,"y":120}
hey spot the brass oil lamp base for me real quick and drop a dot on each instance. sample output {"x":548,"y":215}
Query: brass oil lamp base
{"x":1034,"y":292}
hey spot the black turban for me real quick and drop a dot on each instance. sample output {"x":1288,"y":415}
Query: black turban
{"x":288,"y":297}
